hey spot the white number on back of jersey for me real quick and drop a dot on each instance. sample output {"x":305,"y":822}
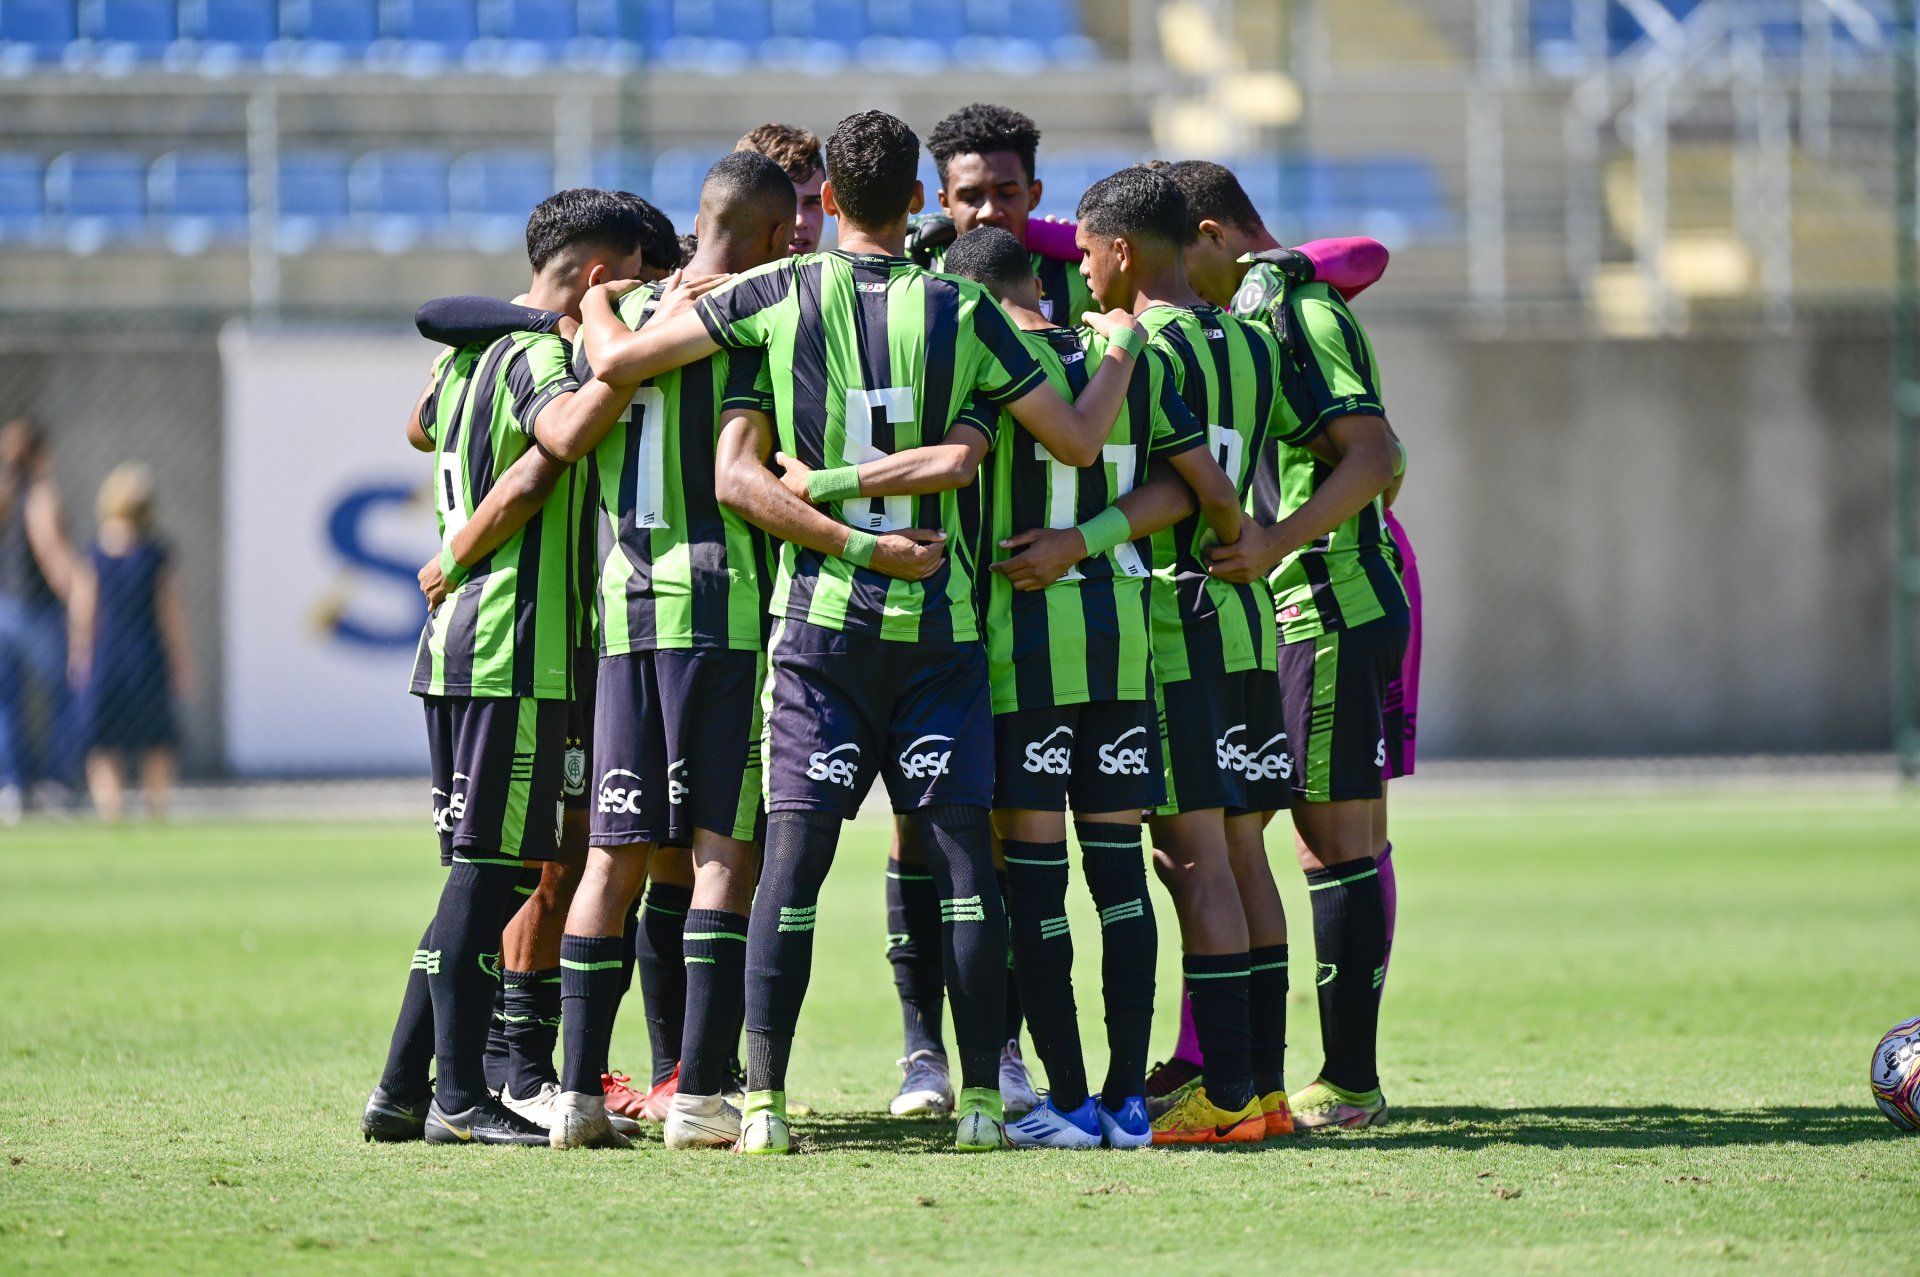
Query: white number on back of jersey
{"x":1230,"y":450}
{"x":871,"y":514}
{"x":648,"y":417}
{"x":446,"y":495}
{"x":1063,"y":492}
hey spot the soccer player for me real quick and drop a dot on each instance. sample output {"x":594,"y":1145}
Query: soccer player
{"x":1319,"y":540}
{"x":1074,"y":721}
{"x":797,"y":152}
{"x":1213,"y":657}
{"x":870,"y":355}
{"x":495,"y":667}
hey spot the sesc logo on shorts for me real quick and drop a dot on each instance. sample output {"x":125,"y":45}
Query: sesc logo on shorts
{"x":618,"y":799}
{"x":575,"y":773}
{"x":1264,"y":762}
{"x":447,"y":815}
{"x":927,"y":763}
{"x":827,"y":766}
{"x":676,"y":783}
{"x":1129,"y":761}
{"x":1054,"y":760}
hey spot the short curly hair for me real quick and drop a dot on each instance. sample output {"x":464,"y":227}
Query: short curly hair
{"x":1214,"y":194}
{"x":873,"y":161}
{"x":1137,"y":203}
{"x":616,"y":221}
{"x":982,"y":129}
{"x":794,"y":149}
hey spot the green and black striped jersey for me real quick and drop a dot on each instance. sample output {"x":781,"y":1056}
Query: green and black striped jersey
{"x":1351,"y":576}
{"x":512,"y":626}
{"x":676,"y":570}
{"x":1064,"y":294}
{"x":872,"y":355}
{"x":1228,"y":373}
{"x":1086,"y":637}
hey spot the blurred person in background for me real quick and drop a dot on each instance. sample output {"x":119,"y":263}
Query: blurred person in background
{"x":128,"y":652}
{"x":797,"y":152}
{"x":36,"y":570}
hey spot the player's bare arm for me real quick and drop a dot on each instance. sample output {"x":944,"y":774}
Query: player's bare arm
{"x":1075,"y":432}
{"x":937,"y":467}
{"x":416,"y":433}
{"x":743,"y":484}
{"x":1218,"y":499}
{"x":508,"y":507}
{"x":1365,"y":470}
{"x":1045,"y":554}
{"x":574,"y":424}
{"x":673,"y":338}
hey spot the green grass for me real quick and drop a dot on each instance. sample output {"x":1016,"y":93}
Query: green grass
{"x":1620,"y":1034}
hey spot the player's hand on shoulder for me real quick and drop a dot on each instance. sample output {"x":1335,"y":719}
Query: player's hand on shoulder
{"x":911,"y":554}
{"x":1045,"y":555}
{"x":1112,"y":322}
{"x":793,"y":475}
{"x":682,"y":290}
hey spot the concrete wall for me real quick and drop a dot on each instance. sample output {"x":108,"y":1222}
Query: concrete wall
{"x":1627,"y":547}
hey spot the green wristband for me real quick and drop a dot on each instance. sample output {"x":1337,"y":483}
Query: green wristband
{"x":1106,"y":530}
{"x":860,"y":547}
{"x":451,"y":570}
{"x":842,"y":483}
{"x":1127,"y":342}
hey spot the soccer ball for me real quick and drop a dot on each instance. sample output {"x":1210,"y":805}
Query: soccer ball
{"x":1896,"y":1075}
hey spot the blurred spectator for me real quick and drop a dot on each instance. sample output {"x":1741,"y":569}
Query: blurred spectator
{"x":36,"y":571}
{"x":129,"y":643}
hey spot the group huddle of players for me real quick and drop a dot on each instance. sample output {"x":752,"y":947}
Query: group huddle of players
{"x":1022,"y":517}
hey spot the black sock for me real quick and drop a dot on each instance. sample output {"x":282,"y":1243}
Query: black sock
{"x":410,"y":1053}
{"x":1116,"y":869}
{"x":1217,"y":987}
{"x":1267,"y":1016}
{"x":1350,"y":943}
{"x":530,"y":1023}
{"x":716,"y":945}
{"x":499,"y":1056}
{"x":589,"y":987}
{"x":799,"y":851}
{"x":913,"y":947}
{"x":474,"y":906}
{"x":659,"y":954}
{"x":973,"y":924}
{"x":629,"y":942}
{"x":1043,"y":961}
{"x":1011,"y":1017}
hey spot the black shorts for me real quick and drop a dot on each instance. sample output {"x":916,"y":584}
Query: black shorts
{"x":842,"y":708}
{"x":1225,"y":743}
{"x":497,"y":776}
{"x":1333,"y":690}
{"x":1098,"y":757}
{"x":677,"y":744}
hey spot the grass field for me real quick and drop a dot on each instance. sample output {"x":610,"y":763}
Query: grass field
{"x":1620,"y":1034}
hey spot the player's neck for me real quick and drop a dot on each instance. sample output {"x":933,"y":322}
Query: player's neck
{"x":1025,"y":318}
{"x":890,"y":241}
{"x":719,"y":257}
{"x":1164,"y":285}
{"x":548,"y":294}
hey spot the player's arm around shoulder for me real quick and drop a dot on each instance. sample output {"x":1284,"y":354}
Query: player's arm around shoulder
{"x":677,"y":334}
{"x":743,"y":484}
{"x":1043,"y":555}
{"x":1074,"y":432}
{"x":952,"y":463}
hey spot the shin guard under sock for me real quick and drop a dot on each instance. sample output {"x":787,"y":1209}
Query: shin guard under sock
{"x":799,"y":851}
{"x":1043,"y":962}
{"x":1115,"y":864}
{"x":590,"y":973}
{"x":1267,"y":1016}
{"x":410,"y":1053}
{"x":661,"y":960}
{"x":959,"y":849}
{"x":463,"y":976}
{"x":716,"y":949}
{"x":1349,"y":940}
{"x":913,"y":948}
{"x":1217,"y":987}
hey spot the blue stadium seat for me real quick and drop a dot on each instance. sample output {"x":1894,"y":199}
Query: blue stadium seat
{"x":201,"y":196}
{"x":499,"y":184}
{"x":347,"y":27}
{"x":313,"y":197}
{"x":22,"y":196}
{"x":842,"y":22}
{"x":942,"y":21}
{"x":549,"y":24}
{"x":42,"y":29}
{"x":399,"y":195}
{"x":244,"y":27}
{"x":675,"y":180}
{"x":97,"y":196}
{"x":142,"y":27}
{"x":617,"y":169}
{"x":645,"y":23}
{"x":443,"y":26}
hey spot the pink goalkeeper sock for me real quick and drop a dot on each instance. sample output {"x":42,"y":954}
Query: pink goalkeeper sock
{"x":1188,"y":1047}
{"x":1347,"y":265}
{"x":1055,"y":240}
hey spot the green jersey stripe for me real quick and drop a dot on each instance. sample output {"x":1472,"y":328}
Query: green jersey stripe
{"x":513,"y":625}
